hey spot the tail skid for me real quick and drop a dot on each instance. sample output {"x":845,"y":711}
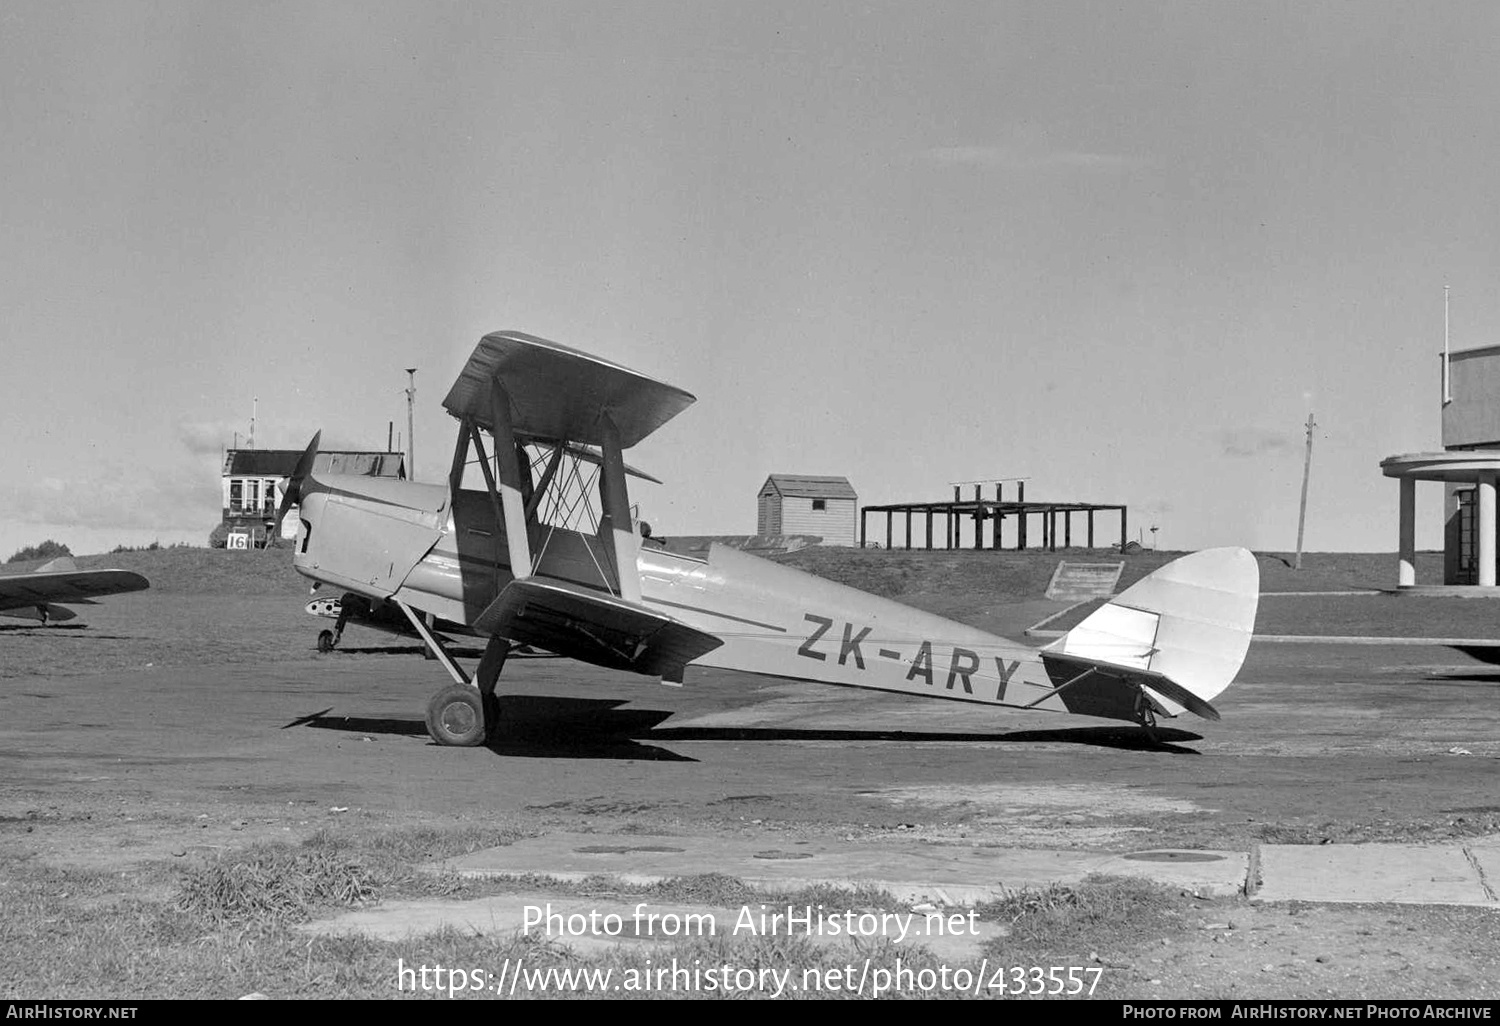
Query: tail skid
{"x":1178,"y":636}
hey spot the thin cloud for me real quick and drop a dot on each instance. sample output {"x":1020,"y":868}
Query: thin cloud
{"x":1015,"y":158}
{"x":183,"y":496}
{"x":207,"y":438}
{"x":178,"y":500}
{"x":211,"y":438}
{"x":1245,"y":443}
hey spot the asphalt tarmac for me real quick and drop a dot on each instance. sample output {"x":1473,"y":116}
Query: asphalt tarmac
{"x":1317,"y":743}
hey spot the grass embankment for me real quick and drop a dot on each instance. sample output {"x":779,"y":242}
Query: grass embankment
{"x":1021,"y":576}
{"x":981,"y":576}
{"x":1301,"y":602}
{"x":195,"y":571}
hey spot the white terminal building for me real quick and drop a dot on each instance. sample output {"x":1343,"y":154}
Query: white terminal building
{"x":254,"y":480}
{"x":1467,"y":467}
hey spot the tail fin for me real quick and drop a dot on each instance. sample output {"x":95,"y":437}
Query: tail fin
{"x":1180,"y":634}
{"x":60,"y":564}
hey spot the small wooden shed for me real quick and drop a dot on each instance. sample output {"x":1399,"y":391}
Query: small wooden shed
{"x":800,"y":504}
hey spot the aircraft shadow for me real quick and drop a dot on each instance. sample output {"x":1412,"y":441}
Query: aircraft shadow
{"x":591,"y":728}
{"x":538,"y":728}
{"x":1483,"y":653}
{"x":1475,"y":677}
{"x":1123,"y":738}
{"x":416,"y":650}
{"x":48,"y":628}
{"x":54,"y":630}
{"x":403,"y":650}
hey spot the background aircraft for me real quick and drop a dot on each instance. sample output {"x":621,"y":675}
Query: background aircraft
{"x":35,"y":595}
{"x":546,"y":554}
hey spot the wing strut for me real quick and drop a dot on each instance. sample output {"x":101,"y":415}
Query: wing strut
{"x":460,"y":457}
{"x":477,"y":441}
{"x":433,"y":645}
{"x":616,"y":524}
{"x":512,"y":503}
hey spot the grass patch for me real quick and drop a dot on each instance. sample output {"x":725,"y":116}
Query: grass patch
{"x":269,"y":886}
{"x":1100,"y":913}
{"x":284,"y":884}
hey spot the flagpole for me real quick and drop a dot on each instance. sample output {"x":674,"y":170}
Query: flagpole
{"x":1447,"y":379}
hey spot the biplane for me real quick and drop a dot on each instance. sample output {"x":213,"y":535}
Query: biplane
{"x":546,"y":554}
{"x":38,"y":595}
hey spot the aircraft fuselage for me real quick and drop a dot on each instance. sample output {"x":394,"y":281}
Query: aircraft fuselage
{"x":447,"y":556}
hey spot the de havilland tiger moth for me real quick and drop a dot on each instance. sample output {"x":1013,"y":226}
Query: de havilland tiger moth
{"x":547,"y":554}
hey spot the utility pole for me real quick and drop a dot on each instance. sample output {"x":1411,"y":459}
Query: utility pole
{"x":411,"y":436}
{"x":1306,"y":470}
{"x":1447,"y":378}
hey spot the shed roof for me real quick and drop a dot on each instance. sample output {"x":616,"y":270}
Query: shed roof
{"x":281,"y":463}
{"x":810,"y":487}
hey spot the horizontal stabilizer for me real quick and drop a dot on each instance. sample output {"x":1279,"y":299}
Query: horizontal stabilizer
{"x":1075,"y":668}
{"x":594,"y":627}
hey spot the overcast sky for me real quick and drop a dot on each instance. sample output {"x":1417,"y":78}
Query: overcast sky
{"x":1120,"y":249}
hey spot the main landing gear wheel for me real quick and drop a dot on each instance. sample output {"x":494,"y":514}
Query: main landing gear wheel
{"x":457,"y":716}
{"x":325,"y":641}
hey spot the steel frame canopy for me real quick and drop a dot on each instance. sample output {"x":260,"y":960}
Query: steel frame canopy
{"x":996,"y":510}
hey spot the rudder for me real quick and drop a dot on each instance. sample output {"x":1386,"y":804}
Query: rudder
{"x":1191,"y":621}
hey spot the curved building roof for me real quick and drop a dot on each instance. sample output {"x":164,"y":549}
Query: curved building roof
{"x":1448,"y":465}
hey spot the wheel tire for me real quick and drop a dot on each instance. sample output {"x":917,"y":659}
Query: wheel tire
{"x":456,"y":717}
{"x":325,"y":641}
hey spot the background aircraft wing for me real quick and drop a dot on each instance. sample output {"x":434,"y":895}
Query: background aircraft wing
{"x":44,"y":587}
{"x":560,"y":393}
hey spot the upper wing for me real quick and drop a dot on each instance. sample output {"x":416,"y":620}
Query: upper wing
{"x":66,"y":586}
{"x":560,"y":393}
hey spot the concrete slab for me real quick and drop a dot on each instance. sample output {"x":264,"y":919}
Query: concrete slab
{"x":1485,"y":857}
{"x":1447,"y":874}
{"x":914,"y":871}
{"x":591,"y":924}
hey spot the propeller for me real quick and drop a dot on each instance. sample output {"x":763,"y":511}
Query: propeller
{"x":294,"y":486}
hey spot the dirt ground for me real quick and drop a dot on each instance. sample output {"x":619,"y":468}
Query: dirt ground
{"x":175,"y":725}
